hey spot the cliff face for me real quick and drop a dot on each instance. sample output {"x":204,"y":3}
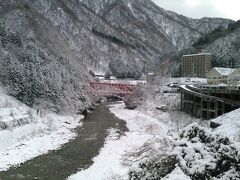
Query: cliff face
{"x":48,"y":46}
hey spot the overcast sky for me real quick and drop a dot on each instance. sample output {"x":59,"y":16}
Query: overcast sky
{"x":203,"y":8}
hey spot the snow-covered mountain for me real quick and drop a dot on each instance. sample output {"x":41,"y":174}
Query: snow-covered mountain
{"x":226,"y":48}
{"x":153,"y":25}
{"x":223,"y":44}
{"x":48,"y":46}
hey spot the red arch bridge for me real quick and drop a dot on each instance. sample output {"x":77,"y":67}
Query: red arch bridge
{"x":119,"y":90}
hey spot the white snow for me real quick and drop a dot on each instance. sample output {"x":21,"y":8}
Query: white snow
{"x":230,"y":125}
{"x":224,"y":71}
{"x":176,"y":174}
{"x":186,"y":80}
{"x":37,"y":135}
{"x":154,"y":99}
{"x":199,"y":54}
{"x":108,"y":164}
{"x":124,"y":81}
{"x":130,"y":7}
{"x":114,"y":160}
{"x":24,"y":134}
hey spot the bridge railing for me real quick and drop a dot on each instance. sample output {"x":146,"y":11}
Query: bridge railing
{"x":112,"y":86}
{"x":189,"y":90}
{"x":111,"y":89}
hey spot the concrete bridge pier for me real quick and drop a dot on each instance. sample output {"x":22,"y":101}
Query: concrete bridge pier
{"x":206,"y":106}
{"x":201,"y":107}
{"x":188,"y":104}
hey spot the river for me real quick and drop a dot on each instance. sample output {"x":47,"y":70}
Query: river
{"x":73,"y":156}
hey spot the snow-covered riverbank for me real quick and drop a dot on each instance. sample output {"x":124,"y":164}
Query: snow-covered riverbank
{"x":109,"y":163}
{"x":147,"y":138}
{"x":24,"y":134}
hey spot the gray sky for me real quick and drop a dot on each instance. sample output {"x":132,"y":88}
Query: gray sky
{"x":203,"y":8}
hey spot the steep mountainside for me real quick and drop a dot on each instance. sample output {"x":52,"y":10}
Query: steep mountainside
{"x":225,"y":47}
{"x":223,"y":44}
{"x":153,"y":25}
{"x":48,"y":46}
{"x":37,"y":64}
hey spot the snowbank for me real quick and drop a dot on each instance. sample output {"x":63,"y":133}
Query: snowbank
{"x":25,"y":135}
{"x":229,"y":125}
{"x":109,"y":163}
{"x":154,"y":98}
{"x":204,"y":154}
{"x":176,"y":174}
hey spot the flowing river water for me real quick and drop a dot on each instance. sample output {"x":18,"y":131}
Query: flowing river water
{"x":73,"y":156}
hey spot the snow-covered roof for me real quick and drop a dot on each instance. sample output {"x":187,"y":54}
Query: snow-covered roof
{"x":224,"y":71}
{"x":199,"y":54}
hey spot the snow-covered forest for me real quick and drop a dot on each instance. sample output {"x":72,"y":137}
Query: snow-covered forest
{"x":52,"y":51}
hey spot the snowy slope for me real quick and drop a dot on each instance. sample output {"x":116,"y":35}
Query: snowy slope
{"x":223,"y":44}
{"x":24,"y":134}
{"x":226,"y":50}
{"x":176,"y":174}
{"x":200,"y":152}
{"x":230,"y":125}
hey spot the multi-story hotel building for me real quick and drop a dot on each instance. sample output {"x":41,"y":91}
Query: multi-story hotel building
{"x":196,"y":65}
